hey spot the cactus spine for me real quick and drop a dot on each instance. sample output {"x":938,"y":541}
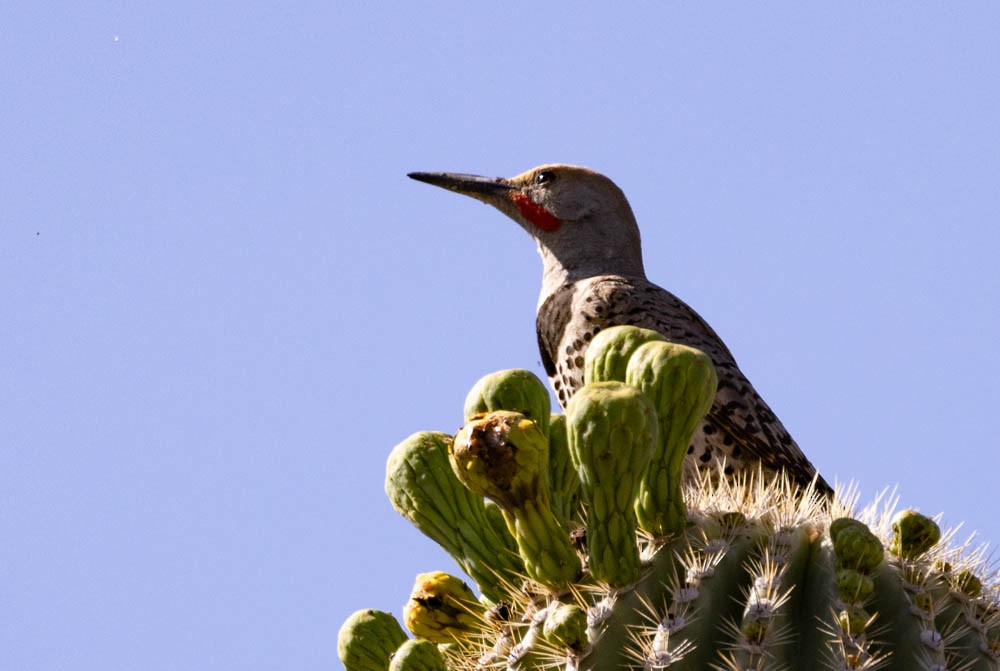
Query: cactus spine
{"x":750,"y":574}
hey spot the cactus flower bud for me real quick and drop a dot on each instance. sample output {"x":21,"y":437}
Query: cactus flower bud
{"x":841,"y":523}
{"x":367,"y":639}
{"x":608,"y":354}
{"x":504,"y":456}
{"x":856,"y":547}
{"x":418,"y":654}
{"x":913,"y":534}
{"x":854,"y":586}
{"x":967,"y":583}
{"x":853,"y":620}
{"x":566,"y":626}
{"x":517,"y":390}
{"x":442,"y":608}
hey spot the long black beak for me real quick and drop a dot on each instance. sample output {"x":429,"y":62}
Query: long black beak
{"x":470,"y":185}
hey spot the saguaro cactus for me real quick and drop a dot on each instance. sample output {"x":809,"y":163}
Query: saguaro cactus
{"x":749,"y":574}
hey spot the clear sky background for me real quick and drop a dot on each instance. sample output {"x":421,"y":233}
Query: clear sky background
{"x":224,"y":303}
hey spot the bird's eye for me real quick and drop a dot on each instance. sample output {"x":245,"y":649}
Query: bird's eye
{"x":545,"y":177}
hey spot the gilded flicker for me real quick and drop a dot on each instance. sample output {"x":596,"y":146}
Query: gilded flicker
{"x":593,"y":277}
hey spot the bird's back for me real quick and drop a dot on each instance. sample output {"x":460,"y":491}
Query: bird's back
{"x":740,"y":427}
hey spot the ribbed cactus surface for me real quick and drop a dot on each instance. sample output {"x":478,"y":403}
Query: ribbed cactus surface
{"x":590,"y":550}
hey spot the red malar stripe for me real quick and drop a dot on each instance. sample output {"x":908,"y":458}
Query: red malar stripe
{"x":535,"y":213}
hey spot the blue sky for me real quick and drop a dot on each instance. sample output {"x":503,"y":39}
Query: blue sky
{"x":224,"y":303}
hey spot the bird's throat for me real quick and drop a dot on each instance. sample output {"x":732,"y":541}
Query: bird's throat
{"x":535,"y":213}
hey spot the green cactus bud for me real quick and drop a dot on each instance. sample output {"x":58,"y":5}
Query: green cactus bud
{"x":967,"y":583}
{"x":853,"y":620}
{"x":442,"y":608}
{"x":924,"y":601}
{"x":842,"y":523}
{"x":755,"y":627}
{"x":913,"y":534}
{"x":566,"y":626}
{"x":564,"y":485}
{"x":517,"y":390}
{"x":856,"y":547}
{"x":418,"y":654}
{"x":612,"y":428}
{"x":681,"y":382}
{"x":854,"y":586}
{"x":504,"y":456}
{"x":423,"y":488}
{"x":609,"y":352}
{"x":367,"y":640}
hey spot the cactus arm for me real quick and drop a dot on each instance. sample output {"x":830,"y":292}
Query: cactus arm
{"x":612,"y":429}
{"x":681,"y":382}
{"x":422,"y":487}
{"x":564,"y":485}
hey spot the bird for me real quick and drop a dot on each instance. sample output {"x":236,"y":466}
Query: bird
{"x":593,"y":277}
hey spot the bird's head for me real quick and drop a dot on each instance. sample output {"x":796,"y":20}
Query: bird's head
{"x":580,"y":219}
